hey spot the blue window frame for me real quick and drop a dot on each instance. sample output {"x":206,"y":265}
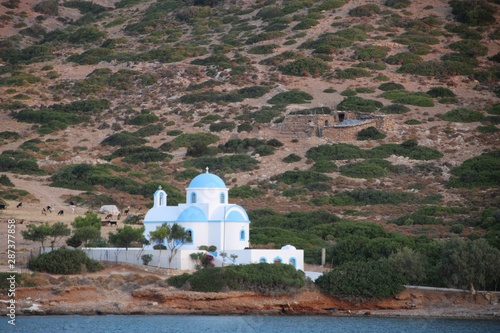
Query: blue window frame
{"x":242,"y":235}
{"x":193,"y":197}
{"x":222,"y":198}
{"x":262,"y":260}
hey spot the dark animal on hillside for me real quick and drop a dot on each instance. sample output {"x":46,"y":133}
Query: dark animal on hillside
{"x":119,"y":216}
{"x":44,"y":211}
{"x":49,"y":209}
{"x":72,"y":203}
{"x":19,"y":205}
{"x":61,"y":212}
{"x":108,"y":216}
{"x":127,"y":210}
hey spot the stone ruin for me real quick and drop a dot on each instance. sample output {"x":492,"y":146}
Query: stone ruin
{"x":334,"y":125}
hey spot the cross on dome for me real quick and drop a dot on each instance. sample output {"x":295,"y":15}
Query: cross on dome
{"x":159,"y":187}
{"x":206,"y":169}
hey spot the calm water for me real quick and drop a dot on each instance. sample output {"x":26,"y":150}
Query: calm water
{"x":241,"y":324}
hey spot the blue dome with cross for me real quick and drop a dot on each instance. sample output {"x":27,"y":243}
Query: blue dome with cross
{"x":207,"y":180}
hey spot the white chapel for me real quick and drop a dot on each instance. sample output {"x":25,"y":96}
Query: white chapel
{"x":211,"y":220}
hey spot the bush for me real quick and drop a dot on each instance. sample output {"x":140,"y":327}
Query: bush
{"x":19,"y":162}
{"x":482,"y":170}
{"x":144,"y":118}
{"x":462,"y":115}
{"x":64,"y":261}
{"x":306,"y":67}
{"x":47,"y":7}
{"x":355,"y":103}
{"x":300,"y":177}
{"x":365,"y":10}
{"x":405,"y":97}
{"x":397,"y":4}
{"x":294,"y":96}
{"x":324,"y":166}
{"x":469,"y":47}
{"x":123,"y":139}
{"x":370,"y":133}
{"x":362,"y":280}
{"x":5,"y":181}
{"x":403,"y":58}
{"x":395,"y":109}
{"x":292,"y":158}
{"x":84,"y":35}
{"x":437,"y":68}
{"x":365,"y":169}
{"x":222,"y":126}
{"x":388,"y":86}
{"x":440,"y":92}
{"x":473,"y":13}
{"x":245,"y":191}
{"x":351,"y":73}
{"x":371,"y":52}
{"x":227,"y":164}
{"x":271,"y":279}
{"x":263,"y":49}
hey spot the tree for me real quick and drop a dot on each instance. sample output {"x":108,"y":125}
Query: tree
{"x":469,"y":264}
{"x":87,"y":234}
{"x":89,"y":220}
{"x":411,"y":264}
{"x":158,"y":236}
{"x":174,"y":236}
{"x":37,"y":233}
{"x":125,"y":236}
{"x":361,"y":280}
{"x":58,"y":231}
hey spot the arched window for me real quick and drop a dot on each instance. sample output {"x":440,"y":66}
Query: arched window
{"x":292,"y":262}
{"x":222,"y":198}
{"x":277,"y":260}
{"x":242,"y":235}
{"x":193,"y":197}
{"x":162,"y":197}
{"x":190,"y":237}
{"x":262,"y":260}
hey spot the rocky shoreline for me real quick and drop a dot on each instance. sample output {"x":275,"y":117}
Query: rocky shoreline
{"x":127,"y":290}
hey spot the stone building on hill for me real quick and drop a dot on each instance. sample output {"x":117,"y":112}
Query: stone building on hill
{"x":337,"y":126}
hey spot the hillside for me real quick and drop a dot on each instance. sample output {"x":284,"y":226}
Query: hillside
{"x":103,"y":101}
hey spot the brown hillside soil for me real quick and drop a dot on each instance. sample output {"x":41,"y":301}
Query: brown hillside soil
{"x":121,"y":289}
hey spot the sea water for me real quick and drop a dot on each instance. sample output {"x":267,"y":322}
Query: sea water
{"x":242,"y":324}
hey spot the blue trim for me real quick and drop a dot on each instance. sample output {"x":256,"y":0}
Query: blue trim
{"x":222,"y":199}
{"x":193,"y":197}
{"x":262,"y":260}
{"x":277,"y":259}
{"x":294,"y":262}
{"x":192,"y":237}
{"x":242,"y":235}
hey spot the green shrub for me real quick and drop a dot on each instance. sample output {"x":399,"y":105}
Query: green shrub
{"x":348,"y":92}
{"x":5,"y":181}
{"x":388,"y":86}
{"x":437,"y":68}
{"x":324,"y":166}
{"x":482,"y":170}
{"x":413,"y":122}
{"x":264,"y":150}
{"x":488,"y":129}
{"x":365,"y":169}
{"x":19,"y":162}
{"x":469,"y":47}
{"x":429,"y":215}
{"x":355,"y":103}
{"x":300,"y":177}
{"x":227,"y":164}
{"x":9,"y":135}
{"x":292,"y":158}
{"x":294,"y":96}
{"x":362,"y":280}
{"x":245,"y":191}
{"x":263,"y":49}
{"x":149,"y":130}
{"x":495,"y":109}
{"x":351,"y":73}
{"x":405,"y":97}
{"x":473,"y":13}
{"x":144,"y":118}
{"x":397,"y":4}
{"x":222,"y":126}
{"x":403,"y":58}
{"x":306,"y":67}
{"x":372,"y":52}
{"x":370,"y":133}
{"x":64,"y":261}
{"x":339,"y":151}
{"x":123,"y":139}
{"x":245,"y":127}
{"x":373,"y":65}
{"x":440,"y":92}
{"x":188,"y":140}
{"x":365,"y":10}
{"x":273,"y":279}
{"x":395,"y":109}
{"x":84,"y":35}
{"x":463,"y":115}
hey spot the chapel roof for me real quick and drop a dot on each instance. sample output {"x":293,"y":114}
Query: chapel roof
{"x":207,"y":180}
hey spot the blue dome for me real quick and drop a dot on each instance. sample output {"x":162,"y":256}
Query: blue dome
{"x":207,"y":180}
{"x":192,"y":214}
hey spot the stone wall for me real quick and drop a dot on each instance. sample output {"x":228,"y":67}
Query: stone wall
{"x":330,"y":126}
